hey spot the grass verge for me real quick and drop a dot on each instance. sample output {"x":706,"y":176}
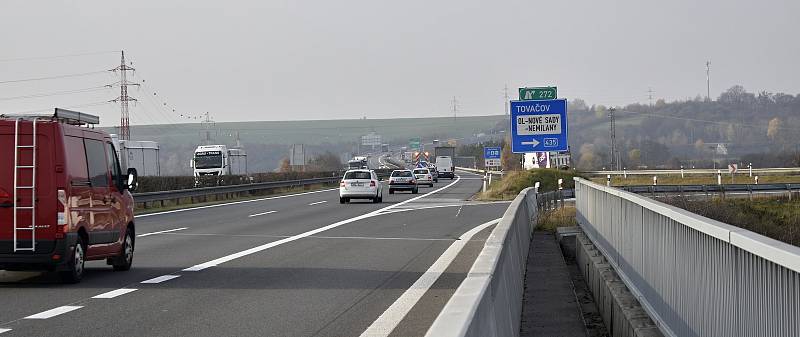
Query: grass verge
{"x":513,"y":182}
{"x":560,"y":217}
{"x":777,"y":218}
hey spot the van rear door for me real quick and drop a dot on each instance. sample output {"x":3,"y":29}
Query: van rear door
{"x":44,"y":213}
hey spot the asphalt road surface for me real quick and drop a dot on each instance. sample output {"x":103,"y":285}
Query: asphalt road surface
{"x":297,"y":265}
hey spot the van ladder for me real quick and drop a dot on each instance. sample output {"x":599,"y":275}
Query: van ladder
{"x":18,"y":148}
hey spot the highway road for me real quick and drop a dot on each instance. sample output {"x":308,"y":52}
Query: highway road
{"x":296,"y":265}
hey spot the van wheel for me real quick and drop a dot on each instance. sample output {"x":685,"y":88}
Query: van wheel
{"x":125,"y":260}
{"x":391,"y":191}
{"x":75,"y":264}
{"x":341,"y":200}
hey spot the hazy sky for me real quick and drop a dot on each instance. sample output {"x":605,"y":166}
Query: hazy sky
{"x":281,"y":60}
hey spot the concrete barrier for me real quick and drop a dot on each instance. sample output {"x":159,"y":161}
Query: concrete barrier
{"x":488,"y":302}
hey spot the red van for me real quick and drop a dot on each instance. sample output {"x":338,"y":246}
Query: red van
{"x":63,"y":198}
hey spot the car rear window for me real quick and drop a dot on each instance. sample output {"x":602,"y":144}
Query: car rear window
{"x":421,"y":171}
{"x":357,"y":175}
{"x":401,"y":174}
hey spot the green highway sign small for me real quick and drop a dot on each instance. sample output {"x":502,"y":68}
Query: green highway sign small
{"x":413,"y":144}
{"x":537,"y":93}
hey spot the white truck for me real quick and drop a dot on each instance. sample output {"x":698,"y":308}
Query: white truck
{"x":218,"y":160}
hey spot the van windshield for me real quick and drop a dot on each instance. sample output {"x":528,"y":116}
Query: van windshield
{"x":208,"y":159}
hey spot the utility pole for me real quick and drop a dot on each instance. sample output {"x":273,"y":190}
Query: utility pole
{"x":650,"y":96}
{"x":613,"y":132}
{"x":505,"y":101}
{"x":455,"y":109}
{"x":123,"y":99}
{"x":207,"y":123}
{"x":708,"y":80}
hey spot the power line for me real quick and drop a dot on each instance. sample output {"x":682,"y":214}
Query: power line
{"x":53,"y":77}
{"x":69,"y":107}
{"x":56,"y":93}
{"x":35,"y":58}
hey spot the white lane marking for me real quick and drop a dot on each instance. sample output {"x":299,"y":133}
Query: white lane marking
{"x":160,"y":279}
{"x":162,"y":232}
{"x":318,"y":202}
{"x":264,"y":213}
{"x":235,"y":203}
{"x":257,"y":249}
{"x":4,"y":330}
{"x":54,"y":312}
{"x":115,"y":293}
{"x":387,"y":322}
{"x":376,"y":238}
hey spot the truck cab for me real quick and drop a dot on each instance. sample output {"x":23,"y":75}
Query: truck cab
{"x":210,"y":160}
{"x":63,"y":197}
{"x":218,"y":160}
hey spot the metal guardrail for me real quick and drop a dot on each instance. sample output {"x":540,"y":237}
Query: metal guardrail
{"x":488,"y":303}
{"x":695,"y":276}
{"x":692,"y":171}
{"x":204,"y":191}
{"x":709,"y":189}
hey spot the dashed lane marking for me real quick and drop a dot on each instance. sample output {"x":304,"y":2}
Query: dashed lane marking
{"x":235,"y":203}
{"x":266,"y":246}
{"x":318,"y":202}
{"x":162,"y":232}
{"x":260,"y":214}
{"x":115,"y":293}
{"x":54,"y":312}
{"x":160,"y":279}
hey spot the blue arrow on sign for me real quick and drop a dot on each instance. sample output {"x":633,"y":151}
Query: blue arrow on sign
{"x":538,"y":126}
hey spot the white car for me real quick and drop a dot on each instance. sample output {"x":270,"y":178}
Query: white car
{"x":424,"y":176}
{"x":360,"y":184}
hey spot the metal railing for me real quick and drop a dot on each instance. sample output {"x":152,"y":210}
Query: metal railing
{"x":488,"y":303}
{"x":695,"y":276}
{"x":221,"y":190}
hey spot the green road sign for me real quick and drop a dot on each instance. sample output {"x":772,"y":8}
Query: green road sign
{"x":537,"y":93}
{"x":413,"y":144}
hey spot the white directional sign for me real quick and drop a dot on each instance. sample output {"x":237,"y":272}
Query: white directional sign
{"x":732,"y":168}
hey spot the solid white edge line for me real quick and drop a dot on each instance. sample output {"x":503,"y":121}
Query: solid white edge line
{"x":54,"y":312}
{"x":318,"y":202}
{"x":115,"y":293}
{"x":263,"y":213}
{"x":162,"y":278}
{"x":162,"y":232}
{"x":389,"y":319}
{"x":4,"y":330}
{"x":257,"y":249}
{"x":234,"y":203}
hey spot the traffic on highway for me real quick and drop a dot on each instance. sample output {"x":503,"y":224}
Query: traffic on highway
{"x":292,"y":264}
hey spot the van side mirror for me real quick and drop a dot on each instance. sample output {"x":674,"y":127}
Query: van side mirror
{"x":191,"y":163}
{"x":133,"y":180}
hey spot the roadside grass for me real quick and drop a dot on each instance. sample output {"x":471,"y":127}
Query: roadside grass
{"x":513,"y":182}
{"x":774,"y":217}
{"x":560,"y":217}
{"x":697,"y":179}
{"x":171,"y":206}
